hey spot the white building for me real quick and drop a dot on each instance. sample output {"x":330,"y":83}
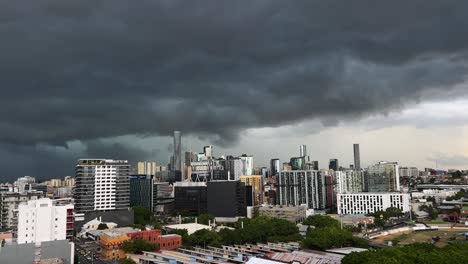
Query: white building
{"x":9,"y":202}
{"x":21,"y":183}
{"x":349,"y":181}
{"x":40,"y":220}
{"x":300,"y":187}
{"x":367,"y":203}
{"x":102,"y":185}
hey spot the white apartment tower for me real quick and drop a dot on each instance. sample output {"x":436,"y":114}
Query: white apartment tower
{"x":102,"y":185}
{"x":40,"y":220}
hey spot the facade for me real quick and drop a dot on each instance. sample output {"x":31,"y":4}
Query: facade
{"x":333,"y":165}
{"x":207,"y":170}
{"x":234,"y":168}
{"x":293,"y":214}
{"x":163,"y":201}
{"x":248,"y":164}
{"x":111,"y":245}
{"x":62,"y":192}
{"x":303,"y":151}
{"x":177,"y":151}
{"x":409,"y":172}
{"x":367,"y":203}
{"x":297,"y":163}
{"x":357,"y":157}
{"x":275,"y":167}
{"x":40,"y":220}
{"x":295,"y":188}
{"x":22,"y":182}
{"x":52,"y":252}
{"x":68,"y":181}
{"x":383,"y":177}
{"x":349,"y":181}
{"x":102,"y":185}
{"x":257,"y":187}
{"x":147,"y":168}
{"x":190,"y":197}
{"x":208,"y":151}
{"x":141,"y":191}
{"x":222,"y":193}
{"x":9,"y":202}
{"x":166,"y":242}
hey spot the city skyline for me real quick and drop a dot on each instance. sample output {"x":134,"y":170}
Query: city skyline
{"x":255,"y":79}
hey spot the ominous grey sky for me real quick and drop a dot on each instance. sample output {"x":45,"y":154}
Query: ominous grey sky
{"x":114,"y":78}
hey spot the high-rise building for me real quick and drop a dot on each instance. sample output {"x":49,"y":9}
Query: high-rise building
{"x":349,"y":181}
{"x":275,"y":167}
{"x":234,"y":168}
{"x":141,"y":191}
{"x":297,"y":163}
{"x":162,"y":197}
{"x":409,"y":172}
{"x":368,"y":203}
{"x":333,"y":165}
{"x":102,"y":185}
{"x":9,"y":202}
{"x":69,"y":181}
{"x":190,"y":197}
{"x":222,"y":193}
{"x":177,"y":151}
{"x":257,"y":187}
{"x":301,"y":187}
{"x":303,"y":151}
{"x":40,"y":220}
{"x":248,"y":165}
{"x":383,"y":177}
{"x":55,"y":182}
{"x":21,"y":183}
{"x":208,"y":151}
{"x":264,"y":173}
{"x":315,"y":165}
{"x":357,"y":157}
{"x":147,"y":168}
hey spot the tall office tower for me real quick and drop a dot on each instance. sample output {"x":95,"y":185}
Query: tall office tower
{"x":357,"y":157}
{"x":102,"y":185}
{"x":222,"y":193}
{"x":141,"y":191}
{"x":208,"y":151}
{"x":41,"y":220}
{"x":383,"y":177}
{"x":147,"y":168}
{"x":333,"y":165}
{"x":248,"y":165}
{"x":257,"y":187}
{"x":177,"y":151}
{"x":275,"y":167}
{"x":302,"y":151}
{"x":349,"y":181}
{"x":234,"y":168}
{"x":9,"y":202}
{"x":301,"y":187}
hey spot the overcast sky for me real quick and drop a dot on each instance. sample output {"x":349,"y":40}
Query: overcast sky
{"x":114,"y":78}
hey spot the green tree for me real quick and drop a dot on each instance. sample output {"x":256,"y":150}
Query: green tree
{"x":142,"y":216}
{"x":138,"y":245}
{"x":181,"y":232}
{"x":331,"y":237}
{"x":205,"y":238}
{"x":321,"y":221}
{"x":205,"y":219}
{"x":102,"y":226}
{"x":128,"y":261}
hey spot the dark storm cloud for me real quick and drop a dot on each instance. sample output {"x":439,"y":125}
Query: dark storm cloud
{"x":90,"y":69}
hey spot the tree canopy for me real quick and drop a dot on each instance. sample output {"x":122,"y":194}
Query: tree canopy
{"x":321,"y":221}
{"x":102,"y":226}
{"x":332,"y":237}
{"x":138,"y":245}
{"x":416,"y":253}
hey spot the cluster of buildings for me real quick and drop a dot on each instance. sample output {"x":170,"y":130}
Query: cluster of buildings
{"x":226,"y":187}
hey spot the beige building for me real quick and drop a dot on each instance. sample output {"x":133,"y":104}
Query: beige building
{"x":293,"y":214}
{"x":55,"y":183}
{"x":257,"y":186}
{"x":147,"y":167}
{"x":68,"y":181}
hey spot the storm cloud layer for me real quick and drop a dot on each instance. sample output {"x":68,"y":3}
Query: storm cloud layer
{"x":83,"y":70}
